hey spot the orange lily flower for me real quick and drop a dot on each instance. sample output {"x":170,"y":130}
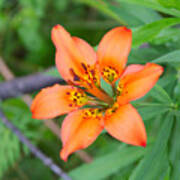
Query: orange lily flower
{"x":81,"y":66}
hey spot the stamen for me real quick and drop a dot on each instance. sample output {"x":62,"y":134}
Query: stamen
{"x":84,"y":66}
{"x":112,"y":109}
{"x":119,"y":89}
{"x":77,"y":98}
{"x":92,"y":113}
{"x":75,"y":76}
{"x":109,"y":74}
{"x":89,"y":76}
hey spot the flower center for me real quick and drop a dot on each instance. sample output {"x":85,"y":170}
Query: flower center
{"x":77,"y":97}
{"x":92,"y":113}
{"x":112,"y":110}
{"x":90,"y":75}
{"x":109,"y":74}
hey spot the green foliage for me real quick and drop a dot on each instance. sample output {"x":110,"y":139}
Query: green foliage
{"x":154,"y":4}
{"x":155,"y":162}
{"x":11,"y":148}
{"x":108,"y":164}
{"x":161,"y":95}
{"x":132,"y":15}
{"x":150,"y":31}
{"x":172,"y":58}
{"x":25,"y":169}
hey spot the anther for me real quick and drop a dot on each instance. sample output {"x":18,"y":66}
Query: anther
{"x":77,"y":97}
{"x":75,"y":76}
{"x":109,"y":73}
{"x":92,"y":113}
{"x":84,"y":66}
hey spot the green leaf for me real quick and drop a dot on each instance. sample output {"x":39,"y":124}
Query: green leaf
{"x":175,"y":149}
{"x":10,"y":148}
{"x":104,"y":8}
{"x":168,"y":79}
{"x":24,"y":168}
{"x":170,"y":4}
{"x":106,"y":87}
{"x":167,"y":35}
{"x":177,"y":91}
{"x":167,"y":174}
{"x":153,"y":164}
{"x":108,"y":164}
{"x":160,"y":94}
{"x":127,"y":14}
{"x":172,"y":57}
{"x":145,"y":15}
{"x":154,"y":5}
{"x":175,"y":172}
{"x":149,"y":112}
{"x":149,"y":32}
{"x":135,"y":15}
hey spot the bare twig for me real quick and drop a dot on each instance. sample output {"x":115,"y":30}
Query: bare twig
{"x":8,"y":75}
{"x":24,"y":85}
{"x":46,"y":160}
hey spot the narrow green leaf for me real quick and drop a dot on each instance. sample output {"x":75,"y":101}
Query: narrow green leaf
{"x":148,"y":32}
{"x":168,"y":79}
{"x":154,"y":5}
{"x":172,"y":57}
{"x":167,"y":174}
{"x":167,"y":35}
{"x":107,"y":87}
{"x":135,"y":15}
{"x":177,"y":90}
{"x":175,"y":149}
{"x":170,"y":4}
{"x":149,"y":112}
{"x":108,"y":164}
{"x":175,"y":173}
{"x":160,"y":94}
{"x":104,"y":8}
{"x":151,"y":166}
{"x":146,"y":15}
{"x":126,"y":14}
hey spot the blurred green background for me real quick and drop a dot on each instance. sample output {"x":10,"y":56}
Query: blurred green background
{"x":25,"y":27}
{"x":26,"y":47}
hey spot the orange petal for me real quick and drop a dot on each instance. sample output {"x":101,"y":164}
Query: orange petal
{"x":114,"y":49}
{"x":137,"y":84}
{"x":71,"y":53}
{"x":126,"y":125}
{"x":86,"y":50}
{"x":132,"y":69}
{"x":56,"y":100}
{"x":80,"y":129}
{"x":67,"y":55}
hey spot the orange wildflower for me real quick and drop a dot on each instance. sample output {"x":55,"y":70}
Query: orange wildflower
{"x":81,"y":66}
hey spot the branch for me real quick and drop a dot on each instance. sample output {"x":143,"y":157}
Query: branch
{"x":27,"y":84}
{"x":46,"y":160}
